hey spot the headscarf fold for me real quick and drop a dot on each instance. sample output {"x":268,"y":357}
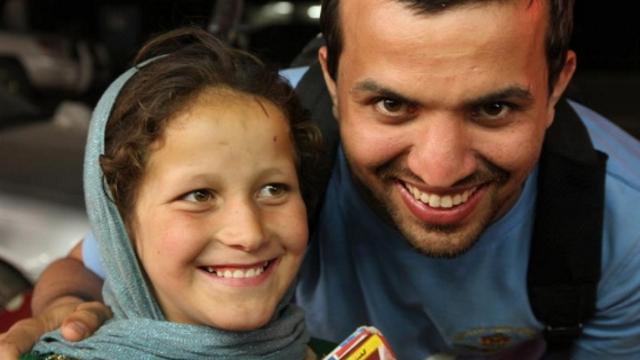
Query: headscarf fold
{"x":138,"y":329}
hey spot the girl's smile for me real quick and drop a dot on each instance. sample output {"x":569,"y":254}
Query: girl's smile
{"x":241,"y":275}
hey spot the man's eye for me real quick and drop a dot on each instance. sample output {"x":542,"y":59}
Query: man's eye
{"x":392,"y":107}
{"x":272,"y":190}
{"x":492,"y":110}
{"x":200,"y":195}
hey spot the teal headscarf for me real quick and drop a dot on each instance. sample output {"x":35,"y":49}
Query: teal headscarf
{"x":138,"y":329}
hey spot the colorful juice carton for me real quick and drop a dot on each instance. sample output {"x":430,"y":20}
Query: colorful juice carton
{"x":366,"y":343}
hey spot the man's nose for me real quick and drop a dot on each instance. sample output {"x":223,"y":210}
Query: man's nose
{"x":240,"y":225}
{"x":442,"y":151}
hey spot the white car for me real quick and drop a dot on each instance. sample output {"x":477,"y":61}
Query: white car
{"x":42,"y":213}
{"x":44,"y":62}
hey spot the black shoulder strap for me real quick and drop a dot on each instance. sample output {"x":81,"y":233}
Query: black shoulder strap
{"x":315,"y":98}
{"x":309,"y":54}
{"x":564,"y":266}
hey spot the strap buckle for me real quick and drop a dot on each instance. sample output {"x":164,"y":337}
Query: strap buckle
{"x":563,"y":333}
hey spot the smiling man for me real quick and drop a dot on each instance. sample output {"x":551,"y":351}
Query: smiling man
{"x":458,"y":159}
{"x":444,"y":128}
{"x":427,"y":226}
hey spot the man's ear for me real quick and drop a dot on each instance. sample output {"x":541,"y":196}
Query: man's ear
{"x":565,"y":76}
{"x":328,"y":80}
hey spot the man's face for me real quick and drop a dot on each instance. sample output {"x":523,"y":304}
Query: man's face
{"x":442,"y":116}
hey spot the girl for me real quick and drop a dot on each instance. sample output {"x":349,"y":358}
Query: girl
{"x":195,"y":166}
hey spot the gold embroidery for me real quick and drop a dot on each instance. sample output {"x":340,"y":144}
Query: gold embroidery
{"x":58,"y":357}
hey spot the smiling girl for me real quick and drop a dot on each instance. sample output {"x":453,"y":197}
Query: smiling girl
{"x":195,"y":168}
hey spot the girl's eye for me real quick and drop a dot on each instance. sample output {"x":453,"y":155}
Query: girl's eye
{"x":200,"y":195}
{"x":273,"y":190}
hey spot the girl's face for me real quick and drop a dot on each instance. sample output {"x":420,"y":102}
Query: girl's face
{"x":220,"y":225}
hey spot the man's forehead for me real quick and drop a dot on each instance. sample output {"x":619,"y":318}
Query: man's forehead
{"x":429,"y":7}
{"x":391,"y":21}
{"x":474,"y":50}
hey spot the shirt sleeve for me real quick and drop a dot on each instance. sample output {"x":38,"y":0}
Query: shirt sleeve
{"x":91,"y":254}
{"x":614,"y":332}
{"x":293,"y":75}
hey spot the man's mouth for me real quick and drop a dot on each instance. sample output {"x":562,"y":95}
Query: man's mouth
{"x":449,"y":208}
{"x":238,"y":272}
{"x":437,"y":201}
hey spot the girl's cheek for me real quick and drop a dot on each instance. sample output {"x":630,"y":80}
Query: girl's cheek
{"x":181,"y":238}
{"x":299,"y":236}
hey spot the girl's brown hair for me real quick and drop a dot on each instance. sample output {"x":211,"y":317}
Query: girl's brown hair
{"x":179,"y":65}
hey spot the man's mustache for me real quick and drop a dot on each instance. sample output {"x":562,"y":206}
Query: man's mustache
{"x":487,"y":172}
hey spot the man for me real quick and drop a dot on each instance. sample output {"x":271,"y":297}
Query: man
{"x":427,"y":222}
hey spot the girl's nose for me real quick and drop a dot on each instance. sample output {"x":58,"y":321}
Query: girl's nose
{"x":241,"y":226}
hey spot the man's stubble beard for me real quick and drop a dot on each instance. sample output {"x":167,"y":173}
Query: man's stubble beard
{"x":432,"y":240}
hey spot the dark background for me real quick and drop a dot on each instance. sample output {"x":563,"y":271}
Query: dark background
{"x":607,"y":41}
{"x":607,"y":34}
{"x":606,"y":38}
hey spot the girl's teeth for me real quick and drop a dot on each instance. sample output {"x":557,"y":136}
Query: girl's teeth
{"x":238,"y":273}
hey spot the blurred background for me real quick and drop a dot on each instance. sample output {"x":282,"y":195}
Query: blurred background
{"x":56,"y":58}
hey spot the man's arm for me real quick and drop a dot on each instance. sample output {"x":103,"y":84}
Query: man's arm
{"x":67,"y":295}
{"x":66,"y":277}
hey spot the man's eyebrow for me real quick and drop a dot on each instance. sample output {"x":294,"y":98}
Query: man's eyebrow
{"x":513,"y":92}
{"x":371,"y":86}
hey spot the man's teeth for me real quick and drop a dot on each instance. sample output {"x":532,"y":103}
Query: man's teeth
{"x":237,"y":273}
{"x":440,"y":201}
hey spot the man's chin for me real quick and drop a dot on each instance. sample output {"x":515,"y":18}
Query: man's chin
{"x":442,"y":240}
{"x":438,"y":244}
{"x":437,"y":240}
